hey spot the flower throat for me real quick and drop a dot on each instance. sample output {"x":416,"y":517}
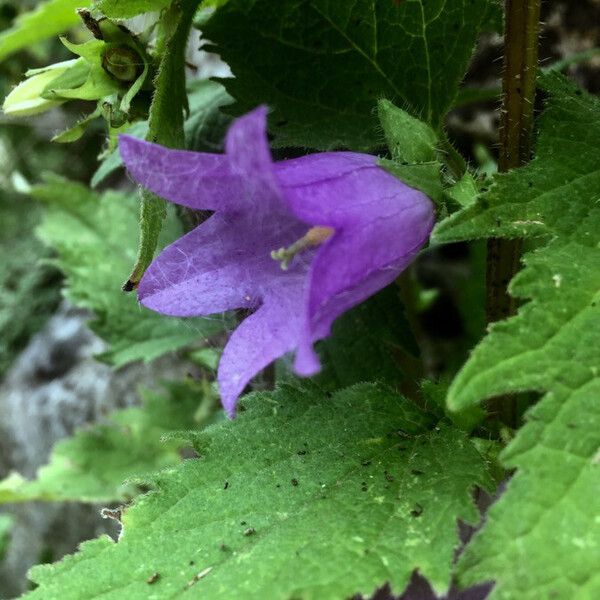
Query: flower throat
{"x":315,"y":236}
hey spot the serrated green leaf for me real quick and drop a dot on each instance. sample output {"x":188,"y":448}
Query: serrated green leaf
{"x":321,"y":66}
{"x":275,"y":507}
{"x":124,"y":9}
{"x":45,"y":21}
{"x":552,"y":346}
{"x":464,"y":192}
{"x":95,"y":237}
{"x":532,"y":201}
{"x":98,"y":463}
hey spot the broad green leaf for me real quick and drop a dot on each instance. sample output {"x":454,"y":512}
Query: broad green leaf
{"x":47,"y":20}
{"x":95,"y":237}
{"x":99,"y":462}
{"x":276,"y":506}
{"x":552,"y":346}
{"x":321,"y":66}
{"x":124,"y":9}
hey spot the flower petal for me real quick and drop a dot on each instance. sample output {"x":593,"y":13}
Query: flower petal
{"x":264,"y":336}
{"x":223,"y":264}
{"x":229,"y":182}
{"x":195,"y":179}
{"x":366,"y":254}
{"x":342,"y":188}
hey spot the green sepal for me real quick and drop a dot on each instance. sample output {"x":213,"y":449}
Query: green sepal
{"x":409,"y":139}
{"x":98,"y":82}
{"x":74,"y":77}
{"x":422,"y":176}
{"x":73,"y":133}
{"x":28,"y":98}
{"x":464,"y":192}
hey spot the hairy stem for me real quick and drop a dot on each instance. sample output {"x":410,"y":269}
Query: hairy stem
{"x":165,"y":123}
{"x":520,"y":72}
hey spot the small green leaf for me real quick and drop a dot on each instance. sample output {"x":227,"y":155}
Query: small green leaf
{"x":291,"y":479}
{"x":47,"y":20}
{"x":98,"y":463}
{"x":409,"y":139}
{"x":464,"y":192}
{"x":95,"y":240}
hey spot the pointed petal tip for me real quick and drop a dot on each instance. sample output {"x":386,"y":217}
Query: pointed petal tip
{"x":307,"y":362}
{"x":229,"y":404}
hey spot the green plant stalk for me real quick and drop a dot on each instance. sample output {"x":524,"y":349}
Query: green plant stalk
{"x":520,"y":73}
{"x":165,"y":123}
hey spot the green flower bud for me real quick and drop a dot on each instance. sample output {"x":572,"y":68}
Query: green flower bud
{"x":123,"y":63}
{"x":26,"y":99}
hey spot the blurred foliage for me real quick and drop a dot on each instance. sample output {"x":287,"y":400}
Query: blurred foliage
{"x":28,"y":289}
{"x":95,"y":238}
{"x":98,"y":463}
{"x":29,"y":27}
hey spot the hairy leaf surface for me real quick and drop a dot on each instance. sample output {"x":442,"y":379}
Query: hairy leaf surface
{"x":322,"y":65}
{"x":275,"y":507}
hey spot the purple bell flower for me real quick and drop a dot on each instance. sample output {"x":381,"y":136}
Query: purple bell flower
{"x":298,"y":242}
